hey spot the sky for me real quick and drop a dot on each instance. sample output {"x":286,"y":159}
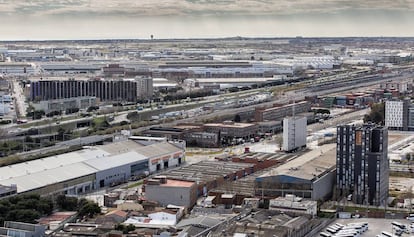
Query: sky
{"x":139,"y":19}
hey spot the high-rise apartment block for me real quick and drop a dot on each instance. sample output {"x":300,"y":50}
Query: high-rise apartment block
{"x":362,"y":166}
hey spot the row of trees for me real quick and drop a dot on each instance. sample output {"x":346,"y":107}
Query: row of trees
{"x":194,"y":94}
{"x":83,"y":206}
{"x":29,"y":208}
{"x":377,"y":114}
{"x":24,"y":208}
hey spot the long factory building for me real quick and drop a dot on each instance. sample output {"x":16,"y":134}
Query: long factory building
{"x":91,"y":168}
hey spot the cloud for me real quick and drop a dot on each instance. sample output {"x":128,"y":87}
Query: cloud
{"x":195,"y":7}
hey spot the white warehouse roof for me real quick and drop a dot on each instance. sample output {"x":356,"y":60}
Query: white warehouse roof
{"x":32,"y":181}
{"x":35,"y":174}
{"x":48,"y":163}
{"x":108,"y":162}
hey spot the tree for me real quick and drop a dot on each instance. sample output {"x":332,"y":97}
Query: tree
{"x":24,"y":208}
{"x":100,"y":123}
{"x":89,"y":209}
{"x":408,"y":158}
{"x":125,"y":229}
{"x":376,"y":115}
{"x":67,"y":203}
{"x":92,"y":108}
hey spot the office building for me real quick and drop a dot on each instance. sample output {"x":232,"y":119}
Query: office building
{"x":145,"y":87}
{"x":127,"y":90}
{"x":396,"y":114}
{"x":294,"y":133}
{"x":48,"y":106}
{"x":362,"y":167}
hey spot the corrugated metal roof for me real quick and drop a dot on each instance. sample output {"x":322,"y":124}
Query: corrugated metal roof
{"x":40,"y":179}
{"x":108,"y":162}
{"x":157,"y":149}
{"x":42,"y":172}
{"x":51,"y":162}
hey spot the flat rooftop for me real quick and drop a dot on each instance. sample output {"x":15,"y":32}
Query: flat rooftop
{"x":177,"y":183}
{"x":246,"y":185}
{"x":205,"y":171}
{"x":229,"y":125}
{"x":55,"y":169}
{"x":309,"y":165}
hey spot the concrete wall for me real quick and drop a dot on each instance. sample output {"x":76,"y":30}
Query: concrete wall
{"x":323,"y":187}
{"x":114,"y":175}
{"x":67,"y":185}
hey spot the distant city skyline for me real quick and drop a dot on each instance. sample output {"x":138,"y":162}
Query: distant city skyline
{"x":106,"y":19}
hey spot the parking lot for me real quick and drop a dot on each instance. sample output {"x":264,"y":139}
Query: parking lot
{"x":375,"y":225}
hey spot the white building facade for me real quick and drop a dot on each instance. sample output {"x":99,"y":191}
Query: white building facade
{"x":396,"y":114}
{"x":294,"y":133}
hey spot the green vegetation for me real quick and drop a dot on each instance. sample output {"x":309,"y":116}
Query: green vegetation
{"x":376,"y":115}
{"x":83,"y":206}
{"x":321,"y":111}
{"x":88,"y":208}
{"x":401,"y":174}
{"x":10,"y":147}
{"x":36,"y":114}
{"x":92,"y":108}
{"x":24,"y":208}
{"x":193,"y":94}
{"x":125,"y":229}
{"x":326,"y":214}
{"x":136,"y":184}
{"x":100,"y":123}
{"x":67,"y":203}
{"x":29,"y":208}
{"x":204,"y":152}
{"x":134,"y":116}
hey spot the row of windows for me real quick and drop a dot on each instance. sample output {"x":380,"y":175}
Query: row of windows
{"x":114,"y":176}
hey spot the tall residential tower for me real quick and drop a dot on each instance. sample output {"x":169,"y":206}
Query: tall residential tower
{"x":362,"y":166}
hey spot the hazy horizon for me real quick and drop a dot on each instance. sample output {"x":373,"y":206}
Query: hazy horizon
{"x":167,"y":19}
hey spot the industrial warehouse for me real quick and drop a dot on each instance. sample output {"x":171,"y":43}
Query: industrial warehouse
{"x":92,"y":167}
{"x":310,"y":176}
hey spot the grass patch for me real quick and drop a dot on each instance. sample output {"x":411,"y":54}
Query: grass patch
{"x":138,"y":183}
{"x":401,"y":174}
{"x":326,"y":214}
{"x":191,"y":153}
